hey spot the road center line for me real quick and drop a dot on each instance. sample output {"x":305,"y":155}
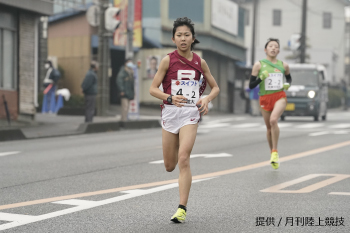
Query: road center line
{"x":159,"y":183}
{"x":9,"y":153}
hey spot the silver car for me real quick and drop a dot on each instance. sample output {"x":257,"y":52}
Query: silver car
{"x":308,"y":94}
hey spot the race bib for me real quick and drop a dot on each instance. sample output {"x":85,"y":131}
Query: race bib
{"x":189,"y":89}
{"x":274,"y":82}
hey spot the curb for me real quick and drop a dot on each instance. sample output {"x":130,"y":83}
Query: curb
{"x":116,"y":126}
{"x":11,"y":134}
{"x":98,"y":127}
{"x":85,"y":128}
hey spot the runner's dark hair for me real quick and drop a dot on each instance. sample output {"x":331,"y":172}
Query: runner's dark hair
{"x":184,"y":21}
{"x":272,"y":39}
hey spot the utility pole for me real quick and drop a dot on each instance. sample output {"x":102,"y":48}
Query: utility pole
{"x":129,"y":51}
{"x":102,"y":100}
{"x":253,"y":33}
{"x":303,"y":33}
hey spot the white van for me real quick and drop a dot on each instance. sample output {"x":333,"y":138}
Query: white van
{"x":308,"y":94}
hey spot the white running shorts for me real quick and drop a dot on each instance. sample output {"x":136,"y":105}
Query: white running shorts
{"x":174,"y":118}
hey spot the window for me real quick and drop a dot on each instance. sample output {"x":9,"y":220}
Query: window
{"x":277,"y":18}
{"x":194,"y":9}
{"x":327,"y":20}
{"x":246,"y":17}
{"x":7,"y":51}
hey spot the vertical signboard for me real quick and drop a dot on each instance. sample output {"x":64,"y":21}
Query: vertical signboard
{"x":120,"y":34}
{"x":134,"y":105}
{"x":224,"y":15}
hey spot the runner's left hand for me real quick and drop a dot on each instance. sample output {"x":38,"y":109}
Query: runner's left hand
{"x":286,"y":86}
{"x":203,"y":105}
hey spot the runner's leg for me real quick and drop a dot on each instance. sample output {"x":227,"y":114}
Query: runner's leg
{"x":187,"y":137}
{"x":170,"y":143}
{"x":266,"y":115}
{"x":277,"y":111}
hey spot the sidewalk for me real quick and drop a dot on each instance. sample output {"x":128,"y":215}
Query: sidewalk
{"x":52,"y":125}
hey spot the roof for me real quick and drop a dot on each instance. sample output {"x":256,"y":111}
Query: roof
{"x":70,"y":13}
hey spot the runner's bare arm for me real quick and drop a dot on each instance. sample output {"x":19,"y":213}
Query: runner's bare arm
{"x":213,"y":85}
{"x":154,"y":90}
{"x":286,"y":67}
{"x":254,"y":80}
{"x":256,"y":69}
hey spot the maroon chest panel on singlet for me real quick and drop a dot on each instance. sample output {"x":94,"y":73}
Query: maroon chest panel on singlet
{"x":174,"y":66}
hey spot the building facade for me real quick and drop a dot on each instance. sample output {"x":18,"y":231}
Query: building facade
{"x":325,"y":27}
{"x":221,"y":44}
{"x":19,"y":55}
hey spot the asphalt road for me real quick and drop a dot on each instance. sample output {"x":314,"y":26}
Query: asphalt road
{"x":116,"y":182}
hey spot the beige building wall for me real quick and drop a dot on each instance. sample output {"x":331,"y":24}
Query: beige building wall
{"x":70,"y":41}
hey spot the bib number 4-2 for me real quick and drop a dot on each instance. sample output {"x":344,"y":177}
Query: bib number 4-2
{"x":188,"y":88}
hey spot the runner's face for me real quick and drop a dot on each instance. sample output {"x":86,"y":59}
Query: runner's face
{"x":272,"y":49}
{"x":183,"y":38}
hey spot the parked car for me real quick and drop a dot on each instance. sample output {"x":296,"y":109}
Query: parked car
{"x":308,"y":94}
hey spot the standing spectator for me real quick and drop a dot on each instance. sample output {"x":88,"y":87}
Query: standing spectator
{"x":52,"y":75}
{"x":50,"y":83}
{"x":125,"y":83}
{"x":89,"y":87}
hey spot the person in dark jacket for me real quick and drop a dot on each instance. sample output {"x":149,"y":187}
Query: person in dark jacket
{"x":125,"y":83}
{"x":50,"y":84}
{"x":89,"y":87}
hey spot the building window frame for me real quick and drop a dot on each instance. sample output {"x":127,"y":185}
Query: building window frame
{"x":9,"y":31}
{"x":246,"y":17}
{"x":327,"y":20}
{"x":277,"y":17}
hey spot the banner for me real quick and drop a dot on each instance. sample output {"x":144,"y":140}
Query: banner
{"x":224,"y":15}
{"x":120,"y":37}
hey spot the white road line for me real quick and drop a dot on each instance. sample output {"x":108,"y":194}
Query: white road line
{"x":283,"y":125}
{"x":341,"y":132}
{"x":9,"y":153}
{"x":319,"y":133}
{"x":14,"y":217}
{"x":216,"y":125}
{"x":339,"y":126}
{"x":246,"y":125}
{"x":227,"y":120}
{"x":76,"y":202}
{"x":310,"y":126}
{"x":221,"y":155}
{"x":20,"y":220}
{"x":339,"y":193}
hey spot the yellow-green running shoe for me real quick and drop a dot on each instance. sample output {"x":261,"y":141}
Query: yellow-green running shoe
{"x":179,"y":216}
{"x":274,"y":160}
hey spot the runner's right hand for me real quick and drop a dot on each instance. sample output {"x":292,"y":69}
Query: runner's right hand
{"x":264,"y":75}
{"x":179,"y":100}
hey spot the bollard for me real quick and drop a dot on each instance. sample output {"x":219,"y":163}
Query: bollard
{"x":6,"y":110}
